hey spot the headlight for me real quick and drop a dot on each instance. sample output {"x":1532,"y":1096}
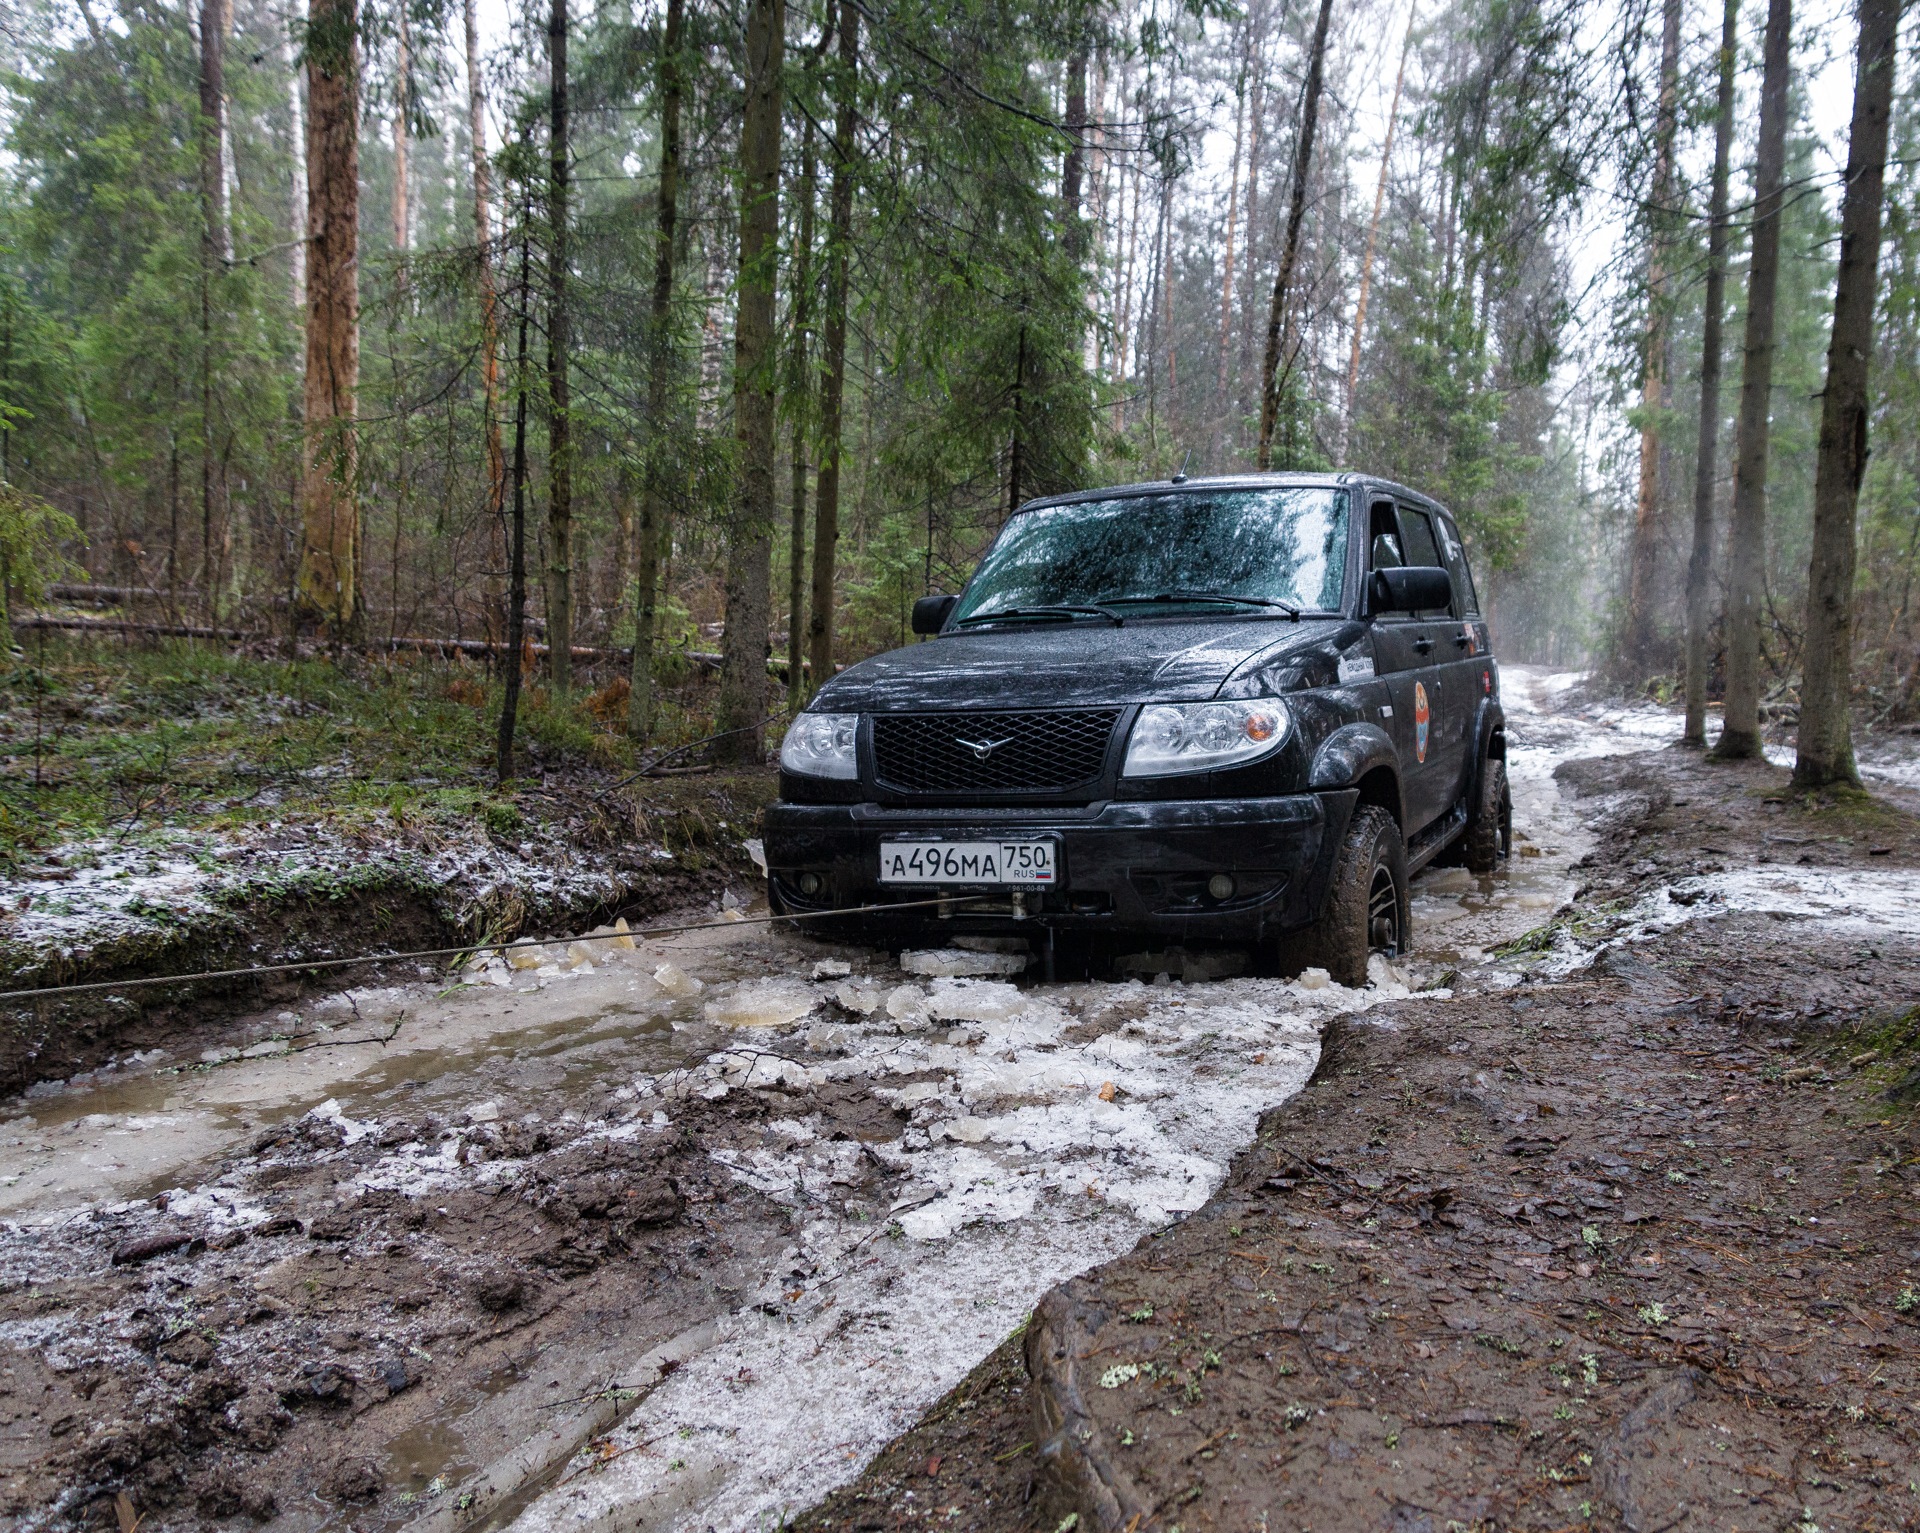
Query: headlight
{"x":1170,"y":738}
{"x":821,"y":745}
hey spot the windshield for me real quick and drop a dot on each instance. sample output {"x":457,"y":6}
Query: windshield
{"x":1278,"y":547}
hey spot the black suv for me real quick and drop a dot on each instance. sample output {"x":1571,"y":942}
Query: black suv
{"x":1233,"y":711}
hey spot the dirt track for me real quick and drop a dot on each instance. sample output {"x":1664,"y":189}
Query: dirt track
{"x":585,"y":1244}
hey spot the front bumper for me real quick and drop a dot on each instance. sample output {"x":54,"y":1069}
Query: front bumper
{"x":1134,"y":868}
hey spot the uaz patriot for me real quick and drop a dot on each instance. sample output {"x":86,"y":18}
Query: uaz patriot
{"x":1234,"y":711}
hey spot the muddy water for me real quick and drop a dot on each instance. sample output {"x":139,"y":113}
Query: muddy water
{"x":1047,"y":1128}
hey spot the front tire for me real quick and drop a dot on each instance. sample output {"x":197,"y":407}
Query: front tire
{"x":1366,"y":910}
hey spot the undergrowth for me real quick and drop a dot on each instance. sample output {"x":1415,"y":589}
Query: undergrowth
{"x":97,"y":739}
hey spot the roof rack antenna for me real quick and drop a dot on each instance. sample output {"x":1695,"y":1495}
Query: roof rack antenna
{"x":1181,"y":477}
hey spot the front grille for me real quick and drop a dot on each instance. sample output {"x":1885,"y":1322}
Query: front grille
{"x":1032,"y":752}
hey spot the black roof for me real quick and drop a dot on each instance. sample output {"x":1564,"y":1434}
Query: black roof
{"x":1233,"y":482}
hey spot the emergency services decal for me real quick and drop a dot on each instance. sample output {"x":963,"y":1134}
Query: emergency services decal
{"x":1422,"y":716}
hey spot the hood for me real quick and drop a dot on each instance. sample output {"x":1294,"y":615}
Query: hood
{"x":1069,"y":665}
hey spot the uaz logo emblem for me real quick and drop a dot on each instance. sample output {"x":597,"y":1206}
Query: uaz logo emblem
{"x":982,"y":748}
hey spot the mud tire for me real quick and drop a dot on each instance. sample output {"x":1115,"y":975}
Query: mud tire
{"x":1367,"y":908}
{"x":1489,"y":836}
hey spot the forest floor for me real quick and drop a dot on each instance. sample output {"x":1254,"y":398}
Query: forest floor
{"x":1596,"y":1204}
{"x":172,"y":808}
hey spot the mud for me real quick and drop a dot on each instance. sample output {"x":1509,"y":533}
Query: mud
{"x":683,"y":1234}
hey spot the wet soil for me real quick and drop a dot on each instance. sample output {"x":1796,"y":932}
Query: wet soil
{"x":1626,"y":1241}
{"x":298,"y":895}
{"x":681,"y":1237}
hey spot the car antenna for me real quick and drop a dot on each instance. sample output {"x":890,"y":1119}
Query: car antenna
{"x":1181,"y":477}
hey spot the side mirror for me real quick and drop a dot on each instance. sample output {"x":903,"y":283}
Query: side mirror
{"x":1420,"y":588}
{"x":930,"y":613}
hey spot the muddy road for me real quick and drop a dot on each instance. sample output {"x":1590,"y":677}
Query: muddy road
{"x":680,"y":1231}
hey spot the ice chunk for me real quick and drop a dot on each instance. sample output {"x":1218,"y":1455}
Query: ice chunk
{"x":864,"y":999}
{"x":770,"y":1003}
{"x":579,"y":954}
{"x":952,"y":963}
{"x":975,"y":1000}
{"x":622,"y":940}
{"x":906,"y":1001}
{"x":676,"y":981}
{"x":484,"y":1112}
{"x":530,"y":956}
{"x":1315,"y":979}
{"x":757,"y":850}
{"x":832,"y":968}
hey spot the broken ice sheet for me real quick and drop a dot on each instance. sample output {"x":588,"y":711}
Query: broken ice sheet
{"x":768,"y":1003}
{"x":953,"y":963}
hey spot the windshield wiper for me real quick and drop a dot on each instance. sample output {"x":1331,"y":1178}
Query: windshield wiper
{"x":1220,"y":598}
{"x":1067,"y":614}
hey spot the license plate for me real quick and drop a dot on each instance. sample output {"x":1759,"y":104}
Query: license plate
{"x":967,"y":862}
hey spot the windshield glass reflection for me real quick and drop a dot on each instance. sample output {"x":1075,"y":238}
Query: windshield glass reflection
{"x":1277,"y":547}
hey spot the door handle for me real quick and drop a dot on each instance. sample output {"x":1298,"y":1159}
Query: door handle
{"x":1423,"y":646}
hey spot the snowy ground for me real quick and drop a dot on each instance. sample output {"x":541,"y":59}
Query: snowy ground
{"x":1047,"y":1128}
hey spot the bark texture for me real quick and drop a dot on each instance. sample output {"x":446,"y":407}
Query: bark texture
{"x":743,"y":674}
{"x":1825,"y":752}
{"x":326,"y":591}
{"x":489,"y":313}
{"x":833,"y":349}
{"x":654,"y":528}
{"x":1643,"y":557}
{"x":1707,"y":454}
{"x":1280,"y":310}
{"x":297,"y":124}
{"x":1373,"y":243}
{"x":1747,"y":533}
{"x":216,"y":20}
{"x":800,"y":396}
{"x":517,"y":574}
{"x":559,"y":354}
{"x":403,"y":64}
{"x":1074,"y":170}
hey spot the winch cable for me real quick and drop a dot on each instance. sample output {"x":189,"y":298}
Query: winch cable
{"x":475,"y":947}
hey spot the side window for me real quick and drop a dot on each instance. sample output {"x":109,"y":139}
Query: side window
{"x":1383,"y":538}
{"x":1464,"y":596}
{"x":1423,"y":552}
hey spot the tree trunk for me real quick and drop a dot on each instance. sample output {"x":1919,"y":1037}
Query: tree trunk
{"x":660,"y":355}
{"x":802,"y":364}
{"x":1280,"y":311}
{"x":517,"y":575}
{"x":402,"y":65}
{"x":1825,"y":752}
{"x":1700,"y":560}
{"x":489,"y":313}
{"x":559,"y":356}
{"x":1373,"y":241}
{"x":216,"y":20}
{"x":1073,"y":171}
{"x":1233,"y":212}
{"x":1642,"y":572}
{"x":1747,"y":532}
{"x":748,"y":597}
{"x":297,"y":137}
{"x":833,"y":358}
{"x":1015,"y":449}
{"x":325,"y":591}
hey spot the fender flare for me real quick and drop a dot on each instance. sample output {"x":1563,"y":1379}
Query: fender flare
{"x":1349,"y":753}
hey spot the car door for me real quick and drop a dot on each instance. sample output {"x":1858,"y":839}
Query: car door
{"x":1433,"y":734}
{"x":1470,"y":675}
{"x":1403,"y":645}
{"x":1441,"y":704}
